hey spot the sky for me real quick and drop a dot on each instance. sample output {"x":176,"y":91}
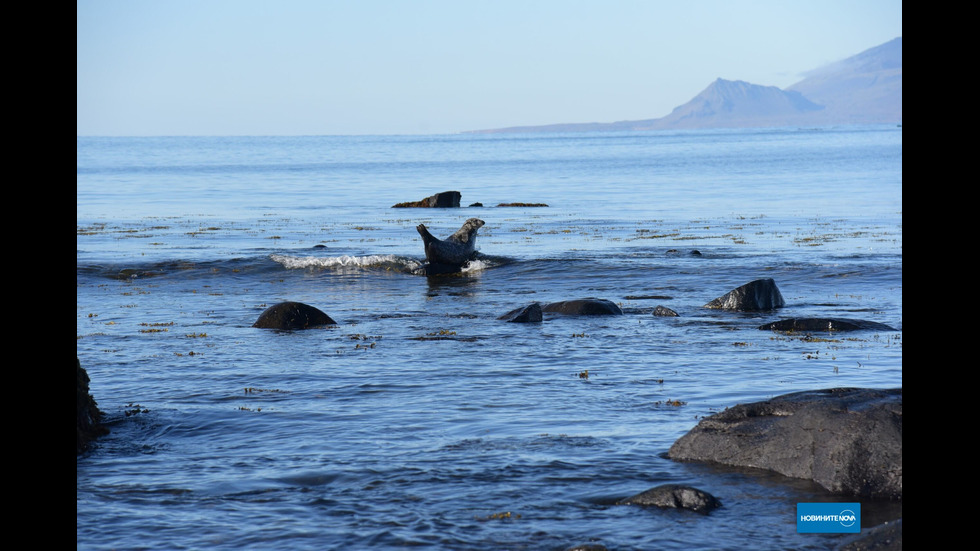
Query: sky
{"x":359,"y":67}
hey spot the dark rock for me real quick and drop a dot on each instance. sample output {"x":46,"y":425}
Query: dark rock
{"x":435,"y":268}
{"x":675,"y":496}
{"x":663,"y":311}
{"x":761,"y":294}
{"x":526,"y":314}
{"x":446,"y":199}
{"x":584,"y":307}
{"x":476,"y":205}
{"x":825,"y":324}
{"x":522,"y":205}
{"x":848,"y":440}
{"x":88,"y":418}
{"x":292,"y":315}
{"x":884,"y":537}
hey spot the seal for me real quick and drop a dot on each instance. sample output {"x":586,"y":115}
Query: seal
{"x":456,"y":249}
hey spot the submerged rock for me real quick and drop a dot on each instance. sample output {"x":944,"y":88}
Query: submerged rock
{"x":446,"y":199}
{"x":824,"y":324}
{"x":761,"y":294}
{"x":525,"y":314}
{"x":663,"y":311}
{"x":675,"y":496}
{"x":88,"y":418}
{"x":848,"y":440}
{"x":884,"y":537}
{"x":584,"y":307}
{"x":292,"y":315}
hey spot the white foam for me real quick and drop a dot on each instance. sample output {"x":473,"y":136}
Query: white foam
{"x":345,"y":261}
{"x":476,"y":266}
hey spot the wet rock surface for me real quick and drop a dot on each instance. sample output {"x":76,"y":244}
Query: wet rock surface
{"x":525,"y":314}
{"x":88,"y":418}
{"x":446,"y":199}
{"x":761,"y":294}
{"x":675,"y":496}
{"x":848,"y":440}
{"x":824,"y":324}
{"x":584,"y":307}
{"x":884,"y":537}
{"x":291,"y":316}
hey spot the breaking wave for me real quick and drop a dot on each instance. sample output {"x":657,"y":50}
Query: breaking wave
{"x":368,"y":262}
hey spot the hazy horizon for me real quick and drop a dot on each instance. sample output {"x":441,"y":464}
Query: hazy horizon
{"x":305,"y":67}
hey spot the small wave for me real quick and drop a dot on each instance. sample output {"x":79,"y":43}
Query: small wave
{"x":375,"y":261}
{"x":477,"y":265}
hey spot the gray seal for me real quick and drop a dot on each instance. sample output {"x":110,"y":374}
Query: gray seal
{"x":456,"y":249}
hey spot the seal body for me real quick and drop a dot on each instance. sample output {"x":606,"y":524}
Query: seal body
{"x":456,"y":249}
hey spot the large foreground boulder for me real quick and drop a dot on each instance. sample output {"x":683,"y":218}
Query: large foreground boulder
{"x":292,"y":315}
{"x":674,"y":496}
{"x":88,"y":418}
{"x":446,"y":199}
{"x":848,"y":440}
{"x":825,"y":324}
{"x":584,"y":307}
{"x":761,"y":294}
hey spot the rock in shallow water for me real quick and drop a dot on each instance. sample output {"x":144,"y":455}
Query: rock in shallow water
{"x":848,"y":440}
{"x":675,"y":496}
{"x":761,"y":294}
{"x":526,"y":314}
{"x":446,"y":199}
{"x":292,"y":315}
{"x":88,"y":418}
{"x":584,"y":307}
{"x":824,"y":324}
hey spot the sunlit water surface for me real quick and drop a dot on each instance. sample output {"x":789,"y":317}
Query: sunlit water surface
{"x":420,"y":419}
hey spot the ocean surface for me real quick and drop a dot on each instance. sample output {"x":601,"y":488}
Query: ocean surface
{"x":421,"y":420}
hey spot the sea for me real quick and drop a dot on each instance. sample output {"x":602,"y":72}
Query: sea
{"x":422,"y":421}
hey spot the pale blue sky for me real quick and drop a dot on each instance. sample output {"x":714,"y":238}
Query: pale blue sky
{"x":299,"y":67}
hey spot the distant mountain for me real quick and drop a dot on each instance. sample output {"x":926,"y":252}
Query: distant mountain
{"x":863,"y":89}
{"x":866,"y":88}
{"x":736,"y":104}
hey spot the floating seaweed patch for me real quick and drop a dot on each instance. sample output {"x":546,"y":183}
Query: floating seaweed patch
{"x":673,"y":403}
{"x":135,"y":409}
{"x":500,"y":516}
{"x":253,"y":390}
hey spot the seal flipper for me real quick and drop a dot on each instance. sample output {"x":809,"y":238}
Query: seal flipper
{"x":426,"y":236}
{"x":427,"y":240}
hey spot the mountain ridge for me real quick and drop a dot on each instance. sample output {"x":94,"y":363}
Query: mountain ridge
{"x":862,"y":89}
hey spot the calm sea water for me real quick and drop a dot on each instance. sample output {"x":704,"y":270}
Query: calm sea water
{"x":420,"y":420}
